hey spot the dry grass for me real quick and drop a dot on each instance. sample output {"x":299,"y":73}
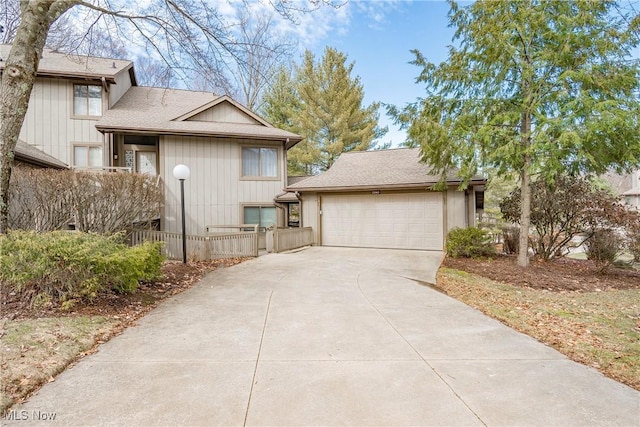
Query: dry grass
{"x":36,"y":344}
{"x":599,"y":329}
{"x":34,"y":351}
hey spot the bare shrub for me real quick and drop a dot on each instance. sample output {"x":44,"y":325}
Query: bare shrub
{"x":40,"y":199}
{"x":510,"y":239}
{"x":45,"y":200}
{"x":110,"y":202}
{"x":564,"y":209}
{"x":603,"y":247}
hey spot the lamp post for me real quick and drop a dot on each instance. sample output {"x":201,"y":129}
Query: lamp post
{"x":181,"y":172}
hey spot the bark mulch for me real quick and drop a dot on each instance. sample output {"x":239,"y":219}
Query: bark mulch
{"x":562,"y":274}
{"x":177,"y":277}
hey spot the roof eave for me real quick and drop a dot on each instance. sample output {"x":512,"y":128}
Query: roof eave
{"x":81,"y":76}
{"x":406,"y":186}
{"x":159,"y":131}
{"x":39,"y":162}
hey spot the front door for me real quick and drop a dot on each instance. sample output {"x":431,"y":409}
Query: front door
{"x":146,"y":162}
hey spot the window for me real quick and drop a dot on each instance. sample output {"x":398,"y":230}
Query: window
{"x":87,"y":156}
{"x":260,"y":162}
{"x":264,"y":216}
{"x":146,"y":162}
{"x":87,"y":100}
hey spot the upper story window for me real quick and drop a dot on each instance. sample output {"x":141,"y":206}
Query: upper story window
{"x":87,"y":100}
{"x":259,"y":162}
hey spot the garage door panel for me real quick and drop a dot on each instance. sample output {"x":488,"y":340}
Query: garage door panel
{"x":406,"y":221}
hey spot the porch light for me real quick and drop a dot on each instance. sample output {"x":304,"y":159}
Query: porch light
{"x":182,"y":172}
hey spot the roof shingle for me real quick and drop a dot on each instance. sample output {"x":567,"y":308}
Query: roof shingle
{"x":69,"y":65}
{"x":30,"y":154}
{"x":395,"y":168}
{"x":154,"y":110}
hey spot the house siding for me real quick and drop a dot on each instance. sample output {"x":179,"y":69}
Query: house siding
{"x":310,"y":214}
{"x":123,"y":84}
{"x":456,"y":209}
{"x":214,"y":192}
{"x":223,"y":112}
{"x":49,"y":125}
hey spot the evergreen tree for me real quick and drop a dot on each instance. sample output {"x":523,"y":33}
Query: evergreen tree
{"x":323,"y":103}
{"x":535,"y":87}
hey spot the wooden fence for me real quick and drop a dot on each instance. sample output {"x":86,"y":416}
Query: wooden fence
{"x":284,"y":239}
{"x":202,"y":248}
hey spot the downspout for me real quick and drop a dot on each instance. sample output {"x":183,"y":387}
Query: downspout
{"x":281,"y":205}
{"x":466,"y":208}
{"x":299,"y":197}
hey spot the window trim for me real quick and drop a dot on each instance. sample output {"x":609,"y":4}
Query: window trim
{"x":277,"y":177}
{"x":258,"y":205}
{"x":136,"y":164}
{"x":87,"y":145}
{"x":73,"y":101}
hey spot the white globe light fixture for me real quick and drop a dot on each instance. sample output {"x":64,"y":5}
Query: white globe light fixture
{"x":182,"y":172}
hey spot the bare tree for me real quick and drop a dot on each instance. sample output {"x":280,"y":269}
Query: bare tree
{"x":9,"y":20}
{"x":185,"y":34}
{"x":261,"y":54}
{"x":153,"y":73}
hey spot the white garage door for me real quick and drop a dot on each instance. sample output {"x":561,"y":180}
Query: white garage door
{"x":401,"y":221}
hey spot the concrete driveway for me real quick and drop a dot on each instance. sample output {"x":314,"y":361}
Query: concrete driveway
{"x":327,"y":336}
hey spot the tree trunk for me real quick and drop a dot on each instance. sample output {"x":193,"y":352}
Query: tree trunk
{"x":525,"y":214}
{"x":525,"y":184}
{"x":18,"y":78}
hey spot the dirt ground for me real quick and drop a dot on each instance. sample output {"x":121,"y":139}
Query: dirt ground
{"x":563,"y":274}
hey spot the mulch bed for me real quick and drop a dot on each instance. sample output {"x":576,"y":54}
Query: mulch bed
{"x":177,"y":277}
{"x":562,"y":274}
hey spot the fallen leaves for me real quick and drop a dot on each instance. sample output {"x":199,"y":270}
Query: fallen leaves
{"x":594,"y":326}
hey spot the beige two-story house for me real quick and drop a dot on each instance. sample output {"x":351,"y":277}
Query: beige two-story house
{"x":89,"y":113}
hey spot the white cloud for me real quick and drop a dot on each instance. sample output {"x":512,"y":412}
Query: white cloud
{"x":320,"y":21}
{"x":377,"y":11}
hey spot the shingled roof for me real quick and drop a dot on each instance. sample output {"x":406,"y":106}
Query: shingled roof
{"x":54,"y":64}
{"x":164,"y":111}
{"x":29,"y":154}
{"x":364,"y":170}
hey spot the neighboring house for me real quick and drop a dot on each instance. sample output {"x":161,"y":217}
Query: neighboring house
{"x":627,"y":186}
{"x":89,"y":113}
{"x":384,"y":199}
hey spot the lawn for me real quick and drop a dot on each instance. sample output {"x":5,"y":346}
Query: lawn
{"x":578,"y":313}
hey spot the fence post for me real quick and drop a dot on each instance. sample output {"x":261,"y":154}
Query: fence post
{"x":271,"y":234}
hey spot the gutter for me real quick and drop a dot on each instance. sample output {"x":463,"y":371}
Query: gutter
{"x":188,"y":132}
{"x":422,"y":185}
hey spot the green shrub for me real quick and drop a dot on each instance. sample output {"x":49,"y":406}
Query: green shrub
{"x":469,"y":242}
{"x":603,"y":247}
{"x":61,"y":266}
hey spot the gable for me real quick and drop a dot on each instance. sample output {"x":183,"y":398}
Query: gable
{"x":223,"y":112}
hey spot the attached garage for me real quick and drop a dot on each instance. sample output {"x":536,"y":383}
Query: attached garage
{"x":384,"y":199}
{"x":393,"y":220}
